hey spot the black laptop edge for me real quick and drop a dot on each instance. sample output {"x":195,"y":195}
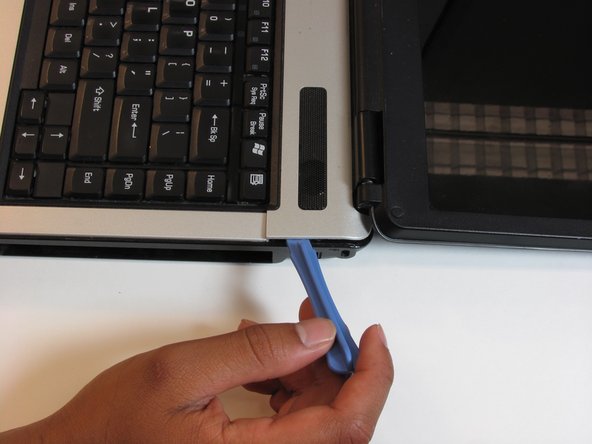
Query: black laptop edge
{"x":400,"y":199}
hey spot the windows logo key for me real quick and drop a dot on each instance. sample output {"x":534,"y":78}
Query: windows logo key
{"x":255,"y":154}
{"x":259,"y":149}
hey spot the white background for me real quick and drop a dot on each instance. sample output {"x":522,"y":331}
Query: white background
{"x":490,"y":345}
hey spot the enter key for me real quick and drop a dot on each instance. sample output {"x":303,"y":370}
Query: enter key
{"x":130,"y":131}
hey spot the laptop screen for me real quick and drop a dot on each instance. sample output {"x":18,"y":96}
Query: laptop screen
{"x":508,"y":94}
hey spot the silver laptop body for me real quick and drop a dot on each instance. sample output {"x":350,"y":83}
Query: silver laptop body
{"x":316,"y":53}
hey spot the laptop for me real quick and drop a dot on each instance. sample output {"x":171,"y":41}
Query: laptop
{"x":217,"y":129}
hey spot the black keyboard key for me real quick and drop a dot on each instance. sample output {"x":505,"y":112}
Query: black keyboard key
{"x":254,"y":154}
{"x":60,"y":109}
{"x":55,"y":142}
{"x":260,"y":8}
{"x":130,"y":130}
{"x":142,"y":17}
{"x":140,"y":47}
{"x":59,"y":75}
{"x":216,"y":26}
{"x":256,"y":124}
{"x":68,"y":12}
{"x":99,"y":63}
{"x":124,"y":184}
{"x":212,"y":90}
{"x":218,"y":5}
{"x":103,"y":31}
{"x":49,"y":180}
{"x":214,"y":57}
{"x":107,"y":7}
{"x":253,"y":186}
{"x":180,"y":12}
{"x":178,"y":40}
{"x":169,"y":143}
{"x":257,"y":92}
{"x":174,"y":72}
{"x":26,"y":139}
{"x":31,"y":107}
{"x":20,"y":179}
{"x":136,"y":79}
{"x":83,"y":182}
{"x":209,"y":138}
{"x":172,"y":106}
{"x":259,"y":32}
{"x":92,"y":120}
{"x":165,"y":185}
{"x":63,"y":43}
{"x":259,"y":60}
{"x":206,"y":186}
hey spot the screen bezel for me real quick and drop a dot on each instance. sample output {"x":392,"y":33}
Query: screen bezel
{"x":407,"y":211}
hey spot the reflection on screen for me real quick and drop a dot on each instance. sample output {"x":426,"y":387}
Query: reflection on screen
{"x":509,"y":141}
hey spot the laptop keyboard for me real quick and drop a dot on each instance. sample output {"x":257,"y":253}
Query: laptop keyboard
{"x":148,"y":102}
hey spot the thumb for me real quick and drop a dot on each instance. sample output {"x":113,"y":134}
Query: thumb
{"x":207,"y":367}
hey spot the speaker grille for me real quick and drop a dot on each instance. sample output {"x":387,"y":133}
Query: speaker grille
{"x":312,"y":168}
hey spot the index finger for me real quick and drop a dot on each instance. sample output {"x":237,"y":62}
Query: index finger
{"x":306,"y":311}
{"x":351,"y":417}
{"x":364,"y":394}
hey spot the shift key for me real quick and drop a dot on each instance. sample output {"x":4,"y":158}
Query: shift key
{"x":92,"y":120}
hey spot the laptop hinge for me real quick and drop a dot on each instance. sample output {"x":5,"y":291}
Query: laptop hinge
{"x":368,"y":160}
{"x":368,"y":98}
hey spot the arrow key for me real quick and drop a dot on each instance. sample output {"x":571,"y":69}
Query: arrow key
{"x":20,"y":179}
{"x":25,"y":142}
{"x":31,"y":110}
{"x":55,"y":142}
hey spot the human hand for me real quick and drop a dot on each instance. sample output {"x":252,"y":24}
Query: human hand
{"x":170,"y":394}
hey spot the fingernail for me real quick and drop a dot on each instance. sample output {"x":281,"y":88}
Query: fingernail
{"x":315,"y":332}
{"x":381,"y":335}
{"x":244,"y":323}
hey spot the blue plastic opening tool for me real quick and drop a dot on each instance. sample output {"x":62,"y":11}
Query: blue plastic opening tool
{"x":343,"y":355}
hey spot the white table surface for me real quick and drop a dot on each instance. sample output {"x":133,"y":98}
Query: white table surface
{"x":490,"y":345}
